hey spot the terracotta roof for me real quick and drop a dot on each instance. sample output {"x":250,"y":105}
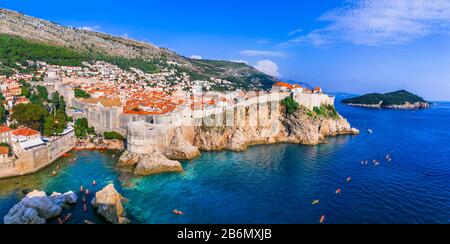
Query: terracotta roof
{"x":4,"y":150}
{"x":4,"y":129}
{"x":284,"y":84}
{"x":25,"y":132}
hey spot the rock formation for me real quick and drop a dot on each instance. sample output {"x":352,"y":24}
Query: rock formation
{"x":181,"y":149}
{"x":108,"y":203}
{"x":148,"y":164}
{"x":37,"y":207}
{"x":299,"y":128}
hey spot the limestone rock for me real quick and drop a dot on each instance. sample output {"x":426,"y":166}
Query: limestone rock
{"x":37,"y":207}
{"x":149,"y":164}
{"x":108,"y":203}
{"x":128,"y":159}
{"x":156,"y":163}
{"x":181,"y":149}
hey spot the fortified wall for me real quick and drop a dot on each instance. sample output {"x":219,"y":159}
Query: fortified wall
{"x":29,"y":162}
{"x":262,"y":112}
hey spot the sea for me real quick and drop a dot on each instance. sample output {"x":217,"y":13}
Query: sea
{"x":277,"y":184}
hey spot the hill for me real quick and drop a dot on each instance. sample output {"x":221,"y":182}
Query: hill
{"x":68,"y":45}
{"x":398,"y":99}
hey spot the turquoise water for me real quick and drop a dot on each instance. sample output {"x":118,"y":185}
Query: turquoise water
{"x":277,"y":183}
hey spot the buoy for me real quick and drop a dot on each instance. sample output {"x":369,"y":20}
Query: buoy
{"x":338,"y":191}
{"x":322,"y":219}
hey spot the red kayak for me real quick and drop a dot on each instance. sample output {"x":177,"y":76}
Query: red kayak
{"x":177,"y":212}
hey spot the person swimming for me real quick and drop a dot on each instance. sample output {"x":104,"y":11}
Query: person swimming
{"x":349,"y":179}
{"x":339,"y":191}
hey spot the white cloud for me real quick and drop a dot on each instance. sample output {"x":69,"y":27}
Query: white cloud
{"x":90,"y":28}
{"x":196,"y":57}
{"x":268,"y":67}
{"x":239,"y":61}
{"x":295,"y":32}
{"x":381,"y":22}
{"x":263,"y":53}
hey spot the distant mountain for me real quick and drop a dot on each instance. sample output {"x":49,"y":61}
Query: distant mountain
{"x":87,"y":45}
{"x":399,"y":99}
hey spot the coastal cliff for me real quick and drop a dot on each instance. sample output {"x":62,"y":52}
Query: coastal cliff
{"x":301,"y":127}
{"x":298,"y":128}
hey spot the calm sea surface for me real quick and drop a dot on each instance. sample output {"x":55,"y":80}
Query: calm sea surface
{"x":277,"y":184}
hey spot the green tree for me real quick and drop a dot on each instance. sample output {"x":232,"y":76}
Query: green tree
{"x":3,"y":114}
{"x":42,"y":93}
{"x":112,"y":135}
{"x":30,"y":115}
{"x":81,"y":94}
{"x":26,"y":92}
{"x":55,"y":125}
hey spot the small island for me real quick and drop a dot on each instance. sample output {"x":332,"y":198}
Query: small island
{"x":394,"y":100}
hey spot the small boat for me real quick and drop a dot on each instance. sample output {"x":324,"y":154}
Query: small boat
{"x":67,"y":218}
{"x":89,"y":222}
{"x":338,"y":191}
{"x":178,"y":212}
{"x":315,"y":202}
{"x":322,"y":219}
{"x":66,"y":155}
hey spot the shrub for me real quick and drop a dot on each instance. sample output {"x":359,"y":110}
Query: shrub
{"x":290,"y":104}
{"x":112,"y":135}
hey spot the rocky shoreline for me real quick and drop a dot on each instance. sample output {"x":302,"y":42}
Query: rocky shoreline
{"x":99,"y":145}
{"x":406,"y":106}
{"x":298,"y":128}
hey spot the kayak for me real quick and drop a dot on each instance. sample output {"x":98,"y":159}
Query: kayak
{"x":177,"y":212}
{"x":322,"y":219}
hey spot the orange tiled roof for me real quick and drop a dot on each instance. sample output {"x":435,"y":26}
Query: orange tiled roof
{"x":284,"y":84}
{"x":4,"y":150}
{"x":25,"y":132}
{"x":4,"y":129}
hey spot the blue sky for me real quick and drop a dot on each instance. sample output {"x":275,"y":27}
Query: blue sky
{"x":355,"y":46}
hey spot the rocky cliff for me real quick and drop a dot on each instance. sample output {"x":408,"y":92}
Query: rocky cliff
{"x":302,"y":127}
{"x":298,"y":128}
